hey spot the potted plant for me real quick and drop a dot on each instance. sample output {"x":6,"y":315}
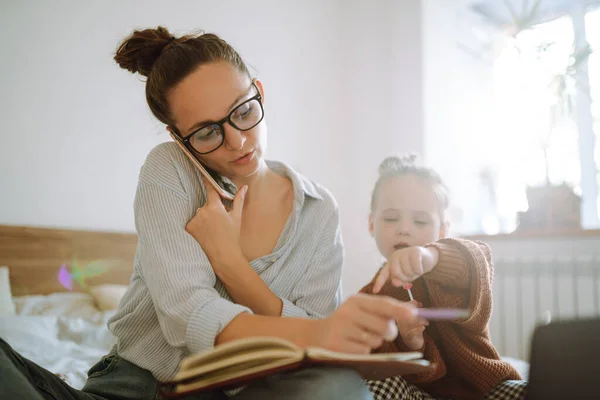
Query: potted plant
{"x":556,"y":206}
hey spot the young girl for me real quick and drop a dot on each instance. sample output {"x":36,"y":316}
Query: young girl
{"x":409,"y":223}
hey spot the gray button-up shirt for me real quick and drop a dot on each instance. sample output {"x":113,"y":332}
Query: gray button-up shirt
{"x":176,"y":305}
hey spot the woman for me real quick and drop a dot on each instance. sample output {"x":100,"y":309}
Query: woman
{"x":205,"y":275}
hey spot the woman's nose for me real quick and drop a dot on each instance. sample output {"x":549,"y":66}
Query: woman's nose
{"x":234,"y":139}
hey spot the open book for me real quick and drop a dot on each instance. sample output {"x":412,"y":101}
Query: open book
{"x":238,"y":362}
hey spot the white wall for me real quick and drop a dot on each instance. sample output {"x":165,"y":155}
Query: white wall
{"x":77,"y":127}
{"x":383,"y":89}
{"x":343,"y":90}
{"x":457,"y":106}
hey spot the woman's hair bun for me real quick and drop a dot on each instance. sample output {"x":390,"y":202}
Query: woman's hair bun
{"x":139,"y":52}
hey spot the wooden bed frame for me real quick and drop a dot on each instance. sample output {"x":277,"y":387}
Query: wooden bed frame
{"x":34,"y":256}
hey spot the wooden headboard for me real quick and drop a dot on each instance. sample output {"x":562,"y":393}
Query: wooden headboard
{"x":34,"y":256}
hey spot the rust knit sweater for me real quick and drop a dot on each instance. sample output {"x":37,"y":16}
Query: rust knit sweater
{"x":467,"y":366}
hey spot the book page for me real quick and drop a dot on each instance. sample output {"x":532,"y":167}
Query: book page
{"x":252,"y":345}
{"x":381,"y":369}
{"x":235,"y":362}
{"x":238,"y":374}
{"x":323,"y":354}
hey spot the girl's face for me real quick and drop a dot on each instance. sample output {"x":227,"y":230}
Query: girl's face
{"x":209,"y":94}
{"x":407,"y":213}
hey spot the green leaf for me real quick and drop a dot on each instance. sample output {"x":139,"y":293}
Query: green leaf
{"x":526,"y":18}
{"x":513,"y":13}
{"x":533,"y":13}
{"x":580,"y":55}
{"x":96,"y":268}
{"x":75,"y":270}
{"x":80,"y":279}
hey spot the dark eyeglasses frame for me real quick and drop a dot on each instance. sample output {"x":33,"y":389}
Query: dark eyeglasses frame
{"x":186,"y":140}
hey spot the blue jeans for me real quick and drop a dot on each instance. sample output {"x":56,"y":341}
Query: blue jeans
{"x":117,"y":379}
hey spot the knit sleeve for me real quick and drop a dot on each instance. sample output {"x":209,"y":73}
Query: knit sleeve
{"x":452,"y":269}
{"x":477,"y":294}
{"x":468,"y":350}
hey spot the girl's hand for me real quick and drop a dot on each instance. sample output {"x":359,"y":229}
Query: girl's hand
{"x":405,"y":265}
{"x":412,"y":333}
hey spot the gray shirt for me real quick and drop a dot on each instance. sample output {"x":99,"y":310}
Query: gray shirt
{"x":175,"y":304}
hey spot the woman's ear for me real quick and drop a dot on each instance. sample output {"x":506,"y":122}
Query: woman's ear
{"x":371,"y":224}
{"x":261,"y":89}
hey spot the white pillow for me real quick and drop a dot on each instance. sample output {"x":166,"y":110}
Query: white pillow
{"x":107,"y":297}
{"x":66,"y":304}
{"x":7,"y":306}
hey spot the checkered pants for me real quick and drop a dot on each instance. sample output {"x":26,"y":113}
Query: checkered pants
{"x":396,"y":388}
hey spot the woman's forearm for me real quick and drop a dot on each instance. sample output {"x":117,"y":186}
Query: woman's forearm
{"x":297,"y":330}
{"x":248,"y":289}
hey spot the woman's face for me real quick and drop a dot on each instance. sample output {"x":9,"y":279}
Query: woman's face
{"x":208,"y":95}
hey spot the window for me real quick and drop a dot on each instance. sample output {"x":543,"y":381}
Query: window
{"x":592,"y":27}
{"x":543,"y":137}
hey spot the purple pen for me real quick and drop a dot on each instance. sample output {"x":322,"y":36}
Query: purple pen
{"x":443,"y":314}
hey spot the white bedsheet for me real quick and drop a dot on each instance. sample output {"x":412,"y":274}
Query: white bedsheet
{"x":64,"y":333}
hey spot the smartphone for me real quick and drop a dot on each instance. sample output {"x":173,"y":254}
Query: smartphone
{"x":222,"y":192}
{"x":443,"y":314}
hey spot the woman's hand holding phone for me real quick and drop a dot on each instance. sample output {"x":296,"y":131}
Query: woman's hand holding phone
{"x":217,"y":229}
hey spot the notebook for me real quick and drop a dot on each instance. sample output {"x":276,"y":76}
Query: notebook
{"x":238,"y":362}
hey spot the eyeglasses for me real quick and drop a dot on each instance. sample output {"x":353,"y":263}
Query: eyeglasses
{"x":243,"y":117}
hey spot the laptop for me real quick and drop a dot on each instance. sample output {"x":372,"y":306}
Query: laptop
{"x":565,"y":361}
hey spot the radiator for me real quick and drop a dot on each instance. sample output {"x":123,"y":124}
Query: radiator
{"x":535,"y":290}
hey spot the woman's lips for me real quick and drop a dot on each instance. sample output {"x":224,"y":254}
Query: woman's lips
{"x":244,"y":159}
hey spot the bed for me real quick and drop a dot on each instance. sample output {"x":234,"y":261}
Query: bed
{"x":63,"y":330}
